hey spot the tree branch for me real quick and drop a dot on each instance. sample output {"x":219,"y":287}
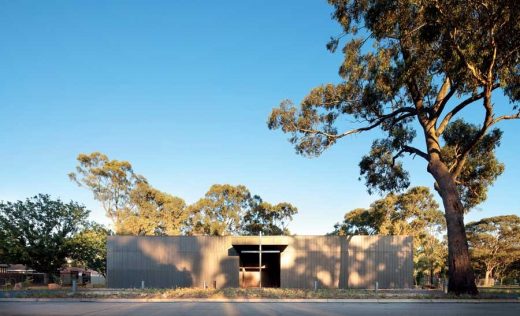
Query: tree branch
{"x":443,"y":92}
{"x":412,"y":151}
{"x":416,"y":151}
{"x":459,"y":107}
{"x":507,"y":117}
{"x":378,"y":122}
{"x":488,"y":121}
{"x":474,"y":71}
{"x":442,"y":98}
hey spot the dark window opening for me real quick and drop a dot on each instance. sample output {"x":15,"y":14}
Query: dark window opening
{"x":250,"y":270}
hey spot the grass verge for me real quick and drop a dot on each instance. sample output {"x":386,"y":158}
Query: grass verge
{"x":238,"y":293}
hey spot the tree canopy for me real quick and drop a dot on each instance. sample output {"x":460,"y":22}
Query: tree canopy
{"x":219,"y":211}
{"x":111,"y":182}
{"x":154,"y":213}
{"x":414,"y":66}
{"x":495,"y":245}
{"x":230,"y":210}
{"x":137,"y":208}
{"x":133,"y":205}
{"x":482,"y":167}
{"x":88,"y":248}
{"x":414,"y":213}
{"x":267,"y":218}
{"x":36,"y":232}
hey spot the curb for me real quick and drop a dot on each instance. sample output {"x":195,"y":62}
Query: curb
{"x":224,"y":300}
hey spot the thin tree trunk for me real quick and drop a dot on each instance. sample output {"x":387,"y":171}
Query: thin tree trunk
{"x":461,"y":276}
{"x":486,"y":280}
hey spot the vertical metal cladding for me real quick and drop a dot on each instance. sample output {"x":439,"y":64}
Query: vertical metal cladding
{"x":192,"y":261}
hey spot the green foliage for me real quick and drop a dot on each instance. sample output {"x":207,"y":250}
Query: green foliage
{"x":430,"y":256}
{"x":267,"y":218}
{"x":415,"y":46}
{"x":414,"y":65}
{"x":482,"y":167}
{"x":232,"y":210}
{"x":154,"y":213}
{"x":409,"y":213}
{"x":137,"y":208}
{"x":494,"y":245}
{"x":36,"y":232}
{"x":360,"y":221}
{"x":219,"y":211}
{"x":88,"y":248}
{"x":134,"y":206}
{"x":111,"y":182}
{"x":380,"y":170}
{"x":414,"y":213}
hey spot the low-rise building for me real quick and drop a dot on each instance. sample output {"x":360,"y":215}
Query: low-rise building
{"x":253,"y":261}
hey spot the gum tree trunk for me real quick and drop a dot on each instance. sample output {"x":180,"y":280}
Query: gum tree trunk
{"x":461,"y":276}
{"x":488,"y":276}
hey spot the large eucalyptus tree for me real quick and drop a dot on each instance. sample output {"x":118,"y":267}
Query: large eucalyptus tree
{"x":412,"y":66}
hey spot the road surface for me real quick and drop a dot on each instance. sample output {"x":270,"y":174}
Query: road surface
{"x":263,"y":309}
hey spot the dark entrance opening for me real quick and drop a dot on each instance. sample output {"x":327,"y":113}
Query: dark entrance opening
{"x":250,"y":270}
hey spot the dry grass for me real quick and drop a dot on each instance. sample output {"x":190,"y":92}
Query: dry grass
{"x":500,"y":290}
{"x":232,"y":293}
{"x":252,"y":293}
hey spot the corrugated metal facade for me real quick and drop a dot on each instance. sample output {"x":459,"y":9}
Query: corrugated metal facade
{"x":191,"y":261}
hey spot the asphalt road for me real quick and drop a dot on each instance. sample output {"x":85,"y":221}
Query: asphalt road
{"x":263,"y":309}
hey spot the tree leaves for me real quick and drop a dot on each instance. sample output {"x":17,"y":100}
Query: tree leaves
{"x":396,"y":55}
{"x":111,"y":181}
{"x":267,"y":218}
{"x":494,"y":243}
{"x":133,"y":205}
{"x":414,"y":213}
{"x":137,"y":208}
{"x":153,"y":213}
{"x":88,"y":248}
{"x":409,"y":213}
{"x":232,"y":210}
{"x":380,"y":170}
{"x":36,"y":232}
{"x":482,"y":167}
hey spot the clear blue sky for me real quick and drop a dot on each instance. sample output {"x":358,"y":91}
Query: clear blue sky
{"x":182,"y":90}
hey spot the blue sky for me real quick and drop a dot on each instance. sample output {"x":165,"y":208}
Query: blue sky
{"x":182,"y":90}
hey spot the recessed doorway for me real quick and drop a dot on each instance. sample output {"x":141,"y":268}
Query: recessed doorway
{"x":251,"y":274}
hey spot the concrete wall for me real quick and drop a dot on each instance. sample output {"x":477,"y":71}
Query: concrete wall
{"x":189,"y":261}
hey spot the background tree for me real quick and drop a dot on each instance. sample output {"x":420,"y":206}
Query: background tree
{"x":232,"y":210}
{"x":219,"y":212}
{"x":411,"y":212}
{"x":153,"y":212}
{"x":133,"y":205}
{"x":414,"y":213}
{"x":429,"y":60}
{"x":88,"y":248}
{"x":267,"y":218}
{"x":36,"y":232}
{"x":511,"y":272}
{"x":362,"y":221}
{"x":430,"y":256}
{"x":111,"y":182}
{"x":495,"y":244}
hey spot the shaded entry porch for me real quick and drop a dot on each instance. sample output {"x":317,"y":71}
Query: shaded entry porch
{"x":259,"y":268}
